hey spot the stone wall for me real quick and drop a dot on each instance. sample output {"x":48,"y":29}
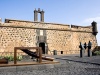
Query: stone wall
{"x":19,"y":23}
{"x":60,"y":37}
{"x":16,"y":37}
{"x":68,"y":41}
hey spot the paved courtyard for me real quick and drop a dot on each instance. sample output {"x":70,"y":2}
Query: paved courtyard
{"x":69,"y":65}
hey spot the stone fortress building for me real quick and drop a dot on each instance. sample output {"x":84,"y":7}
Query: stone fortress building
{"x":50,"y":36}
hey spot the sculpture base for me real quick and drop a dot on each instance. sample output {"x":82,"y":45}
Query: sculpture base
{"x":81,"y":53}
{"x":89,"y":53}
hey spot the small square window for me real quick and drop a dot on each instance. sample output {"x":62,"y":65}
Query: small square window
{"x":41,"y":32}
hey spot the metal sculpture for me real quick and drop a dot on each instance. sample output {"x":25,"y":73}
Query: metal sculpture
{"x":81,"y":50}
{"x":89,"y":49}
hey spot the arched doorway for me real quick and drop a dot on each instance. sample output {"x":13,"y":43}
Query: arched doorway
{"x":42,"y":45}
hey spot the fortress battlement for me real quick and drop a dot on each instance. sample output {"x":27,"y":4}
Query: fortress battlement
{"x":44,"y":25}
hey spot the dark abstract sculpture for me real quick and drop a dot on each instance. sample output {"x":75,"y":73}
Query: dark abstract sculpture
{"x":30,"y":53}
{"x":81,"y":50}
{"x":33,"y":54}
{"x":89,"y":49}
{"x":85,"y":45}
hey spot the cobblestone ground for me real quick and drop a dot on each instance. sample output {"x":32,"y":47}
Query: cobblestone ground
{"x":68,"y":68}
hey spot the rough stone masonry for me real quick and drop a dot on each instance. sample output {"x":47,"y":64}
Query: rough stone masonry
{"x":49,"y":36}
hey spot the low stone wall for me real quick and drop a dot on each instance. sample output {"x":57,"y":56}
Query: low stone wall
{"x":97,"y":48}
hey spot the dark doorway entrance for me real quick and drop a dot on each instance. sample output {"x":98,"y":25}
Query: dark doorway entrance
{"x":42,"y":45}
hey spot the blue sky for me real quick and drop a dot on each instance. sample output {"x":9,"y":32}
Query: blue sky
{"x":77,"y":12}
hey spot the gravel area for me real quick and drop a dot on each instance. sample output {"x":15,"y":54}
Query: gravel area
{"x":66,"y":67}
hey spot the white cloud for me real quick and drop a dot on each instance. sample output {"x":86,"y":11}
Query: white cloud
{"x":89,"y":21}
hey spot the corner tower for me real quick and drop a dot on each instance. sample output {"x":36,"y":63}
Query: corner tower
{"x":94,"y":28}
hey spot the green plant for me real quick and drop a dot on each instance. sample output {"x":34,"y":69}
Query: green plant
{"x":19,"y":58}
{"x":1,"y":57}
{"x":97,"y":52}
{"x":11,"y":58}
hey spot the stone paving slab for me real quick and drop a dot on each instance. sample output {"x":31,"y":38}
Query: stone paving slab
{"x":90,"y":60}
{"x":68,"y":66}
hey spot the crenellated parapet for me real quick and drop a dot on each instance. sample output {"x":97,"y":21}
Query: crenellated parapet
{"x":42,"y":25}
{"x":54,"y":26}
{"x":81,"y":28}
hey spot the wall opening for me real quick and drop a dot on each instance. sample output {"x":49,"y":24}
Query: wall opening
{"x":39,"y":17}
{"x":42,"y":45}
